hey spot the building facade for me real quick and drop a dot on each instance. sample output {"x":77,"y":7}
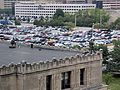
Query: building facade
{"x":32,"y":9}
{"x":114,"y":4}
{"x":81,"y":72}
{"x":1,"y":4}
{"x":7,"y":4}
{"x":75,"y":1}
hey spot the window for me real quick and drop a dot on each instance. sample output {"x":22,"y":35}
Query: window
{"x":65,"y":82}
{"x":49,"y":82}
{"x":82,"y":73}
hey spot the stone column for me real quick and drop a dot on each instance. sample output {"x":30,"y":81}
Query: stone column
{"x":42,"y":82}
{"x":56,"y":81}
{"x":88,"y":76}
{"x":77,"y":78}
{"x":72,"y":79}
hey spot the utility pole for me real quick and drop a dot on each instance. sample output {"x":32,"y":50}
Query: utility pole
{"x":75,"y":20}
{"x":100,"y":19}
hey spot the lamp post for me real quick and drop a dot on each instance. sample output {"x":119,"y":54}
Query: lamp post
{"x":75,"y":20}
{"x":99,"y":5}
{"x":91,"y":43}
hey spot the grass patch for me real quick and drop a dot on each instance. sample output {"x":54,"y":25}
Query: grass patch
{"x":113,"y":83}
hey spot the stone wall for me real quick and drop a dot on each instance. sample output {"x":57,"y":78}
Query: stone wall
{"x":26,"y":76}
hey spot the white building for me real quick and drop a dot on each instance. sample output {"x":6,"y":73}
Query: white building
{"x":7,"y":4}
{"x":1,"y":4}
{"x":32,"y":9}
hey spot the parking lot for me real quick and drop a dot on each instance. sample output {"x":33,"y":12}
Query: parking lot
{"x":58,"y":36}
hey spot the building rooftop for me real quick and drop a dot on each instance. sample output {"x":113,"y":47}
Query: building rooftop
{"x":30,"y":55}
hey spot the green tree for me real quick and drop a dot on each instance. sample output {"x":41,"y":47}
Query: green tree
{"x":17,"y":22}
{"x":57,"y":21}
{"x":41,"y":21}
{"x":6,"y":11}
{"x":105,"y":52}
{"x":88,"y":17}
{"x":76,"y":47}
{"x":47,"y":20}
{"x":107,"y":78}
{"x":69,"y":18}
{"x":116,"y":56}
{"x":58,"y":13}
{"x":36,"y":22}
{"x":69,"y":25}
{"x":116,"y":24}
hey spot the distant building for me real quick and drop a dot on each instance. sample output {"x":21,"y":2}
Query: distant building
{"x":1,"y":4}
{"x":7,"y":4}
{"x":33,"y":9}
{"x":114,"y":4}
{"x":75,"y":1}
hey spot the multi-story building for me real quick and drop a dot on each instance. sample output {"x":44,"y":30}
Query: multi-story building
{"x":7,"y":4}
{"x":32,"y":9}
{"x":75,"y":1}
{"x":114,"y":4}
{"x":1,"y":4}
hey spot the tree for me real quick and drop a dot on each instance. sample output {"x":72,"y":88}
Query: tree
{"x":57,"y":21}
{"x":59,"y":12}
{"x":41,"y":21}
{"x":36,"y":22}
{"x":105,"y":52}
{"x":86,"y":18}
{"x":107,"y":78}
{"x":69,"y":25}
{"x":69,"y":18}
{"x":47,"y":19}
{"x":115,"y":55}
{"x":6,"y":11}
{"x":116,"y":24}
{"x":17,"y":22}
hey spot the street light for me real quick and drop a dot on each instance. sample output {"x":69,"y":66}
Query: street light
{"x":75,"y":20}
{"x":91,"y":43}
